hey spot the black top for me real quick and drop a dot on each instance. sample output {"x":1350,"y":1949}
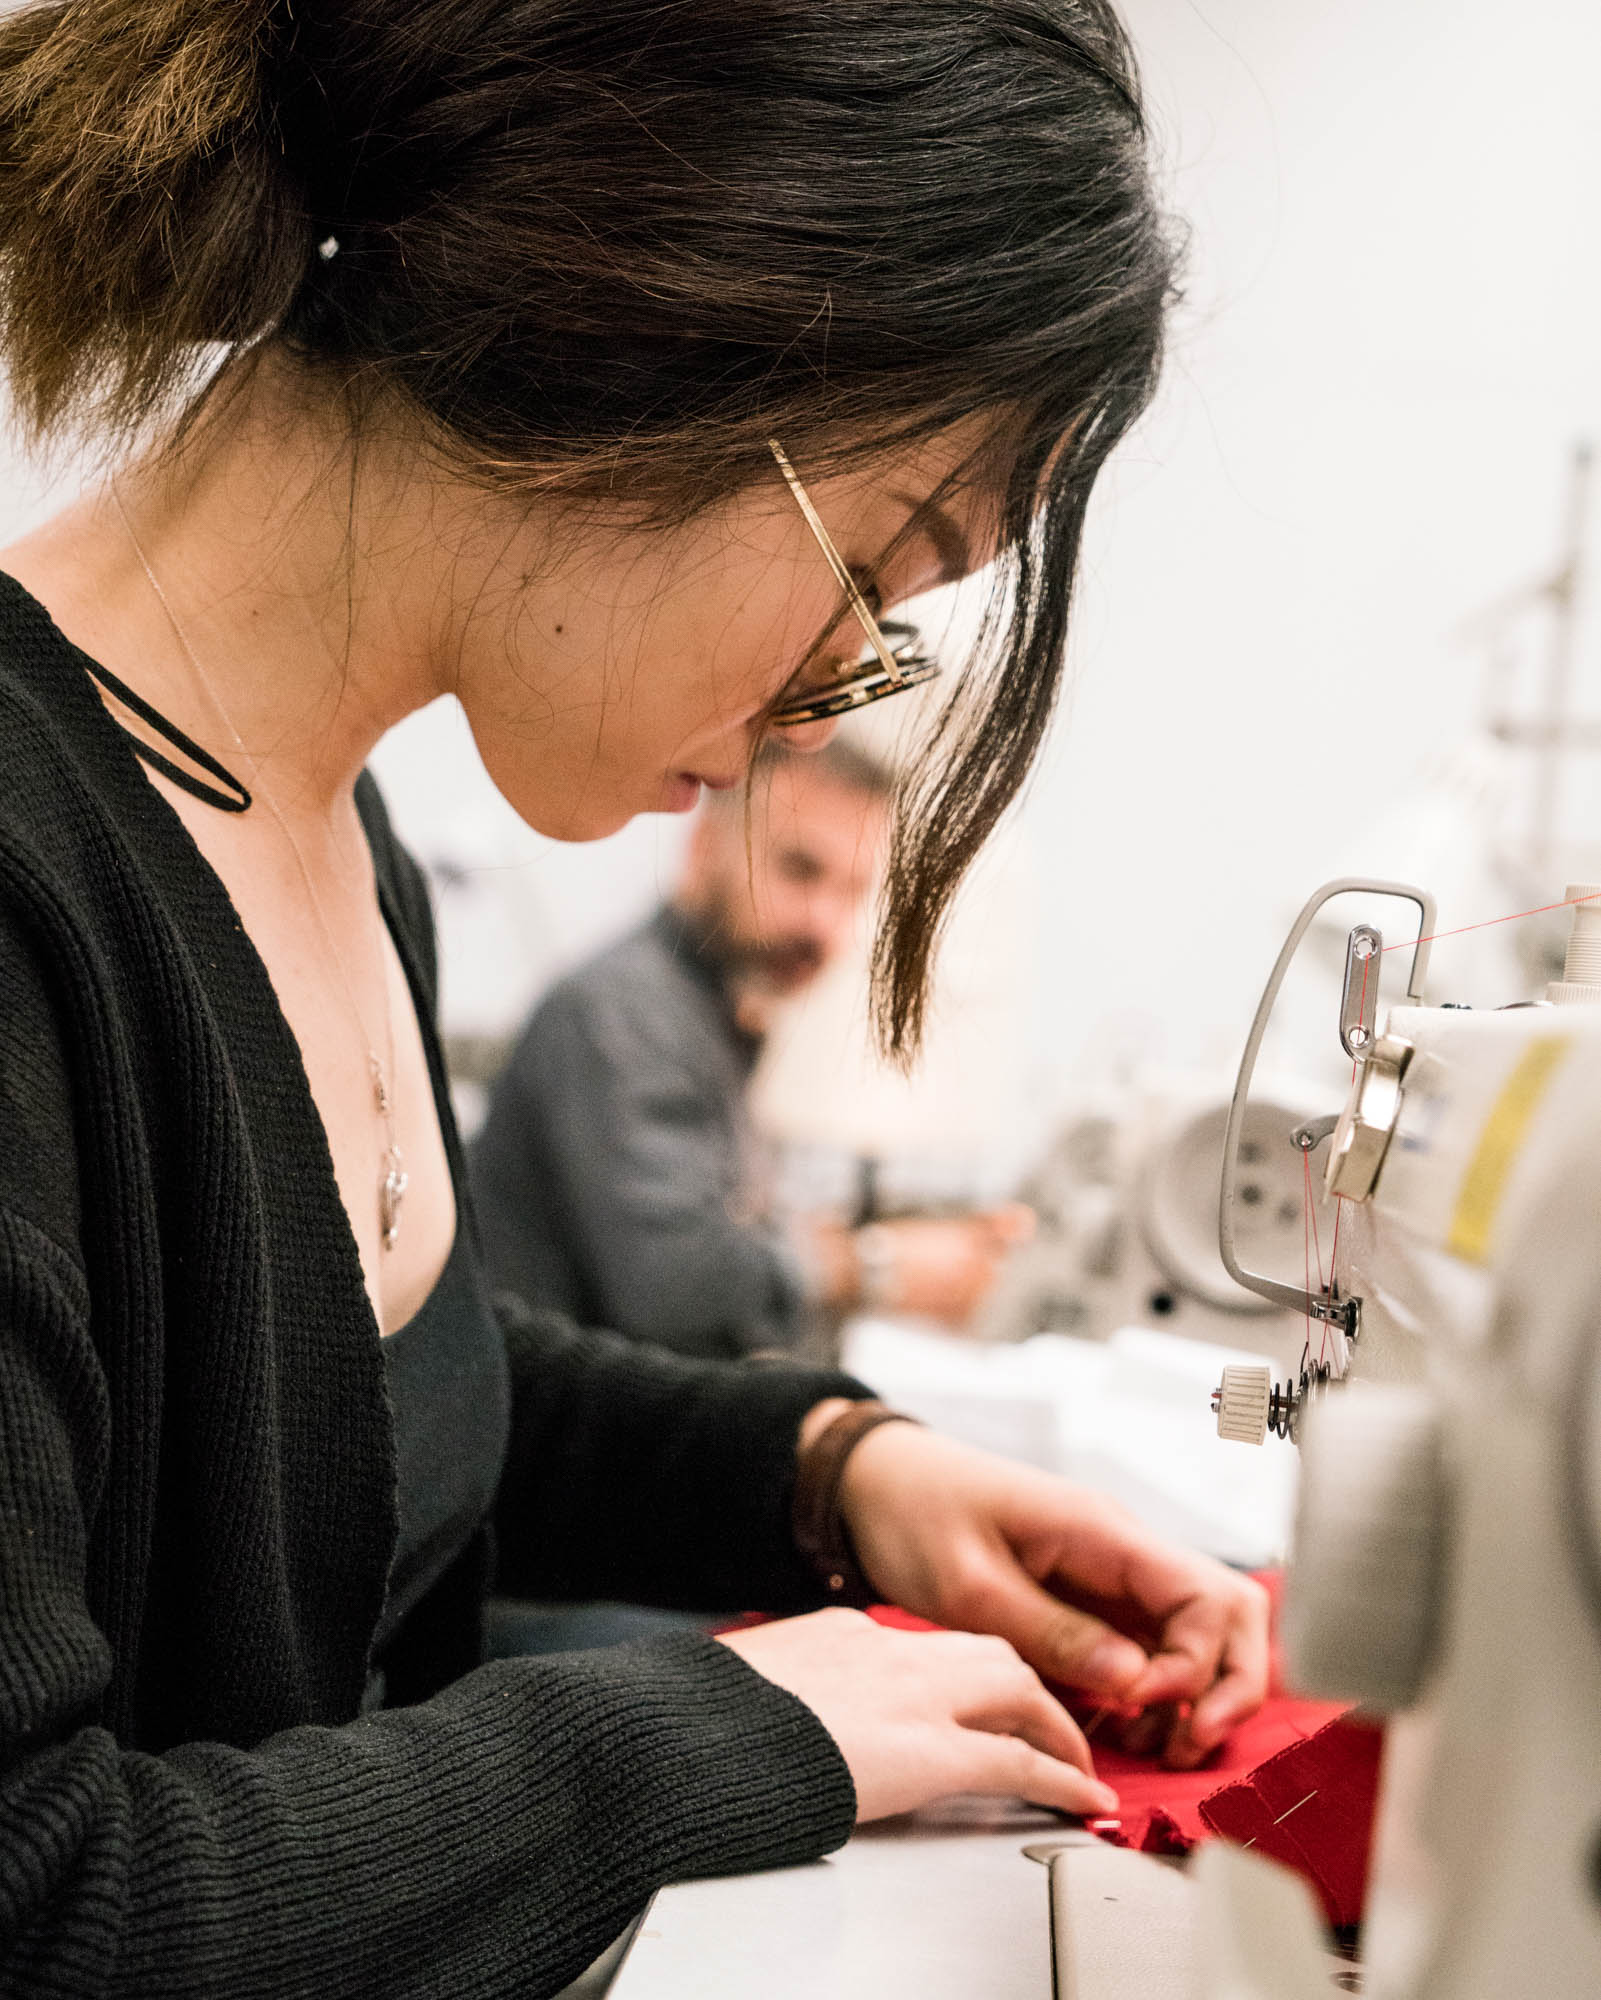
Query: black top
{"x":446,"y":1372}
{"x":198,"y":1490}
{"x":616,"y":1175}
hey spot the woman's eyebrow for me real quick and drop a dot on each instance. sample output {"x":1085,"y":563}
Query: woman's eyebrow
{"x":950,"y":544}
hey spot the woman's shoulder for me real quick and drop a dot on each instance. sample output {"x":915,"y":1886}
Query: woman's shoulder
{"x":38,"y":1174}
{"x":58,"y":747}
{"x":38,"y":932}
{"x":74,"y":883}
{"x":51,"y":769}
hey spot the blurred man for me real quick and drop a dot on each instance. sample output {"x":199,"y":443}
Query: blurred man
{"x":616,"y":1174}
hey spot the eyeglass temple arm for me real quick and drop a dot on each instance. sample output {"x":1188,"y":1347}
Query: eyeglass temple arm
{"x":836,"y":563}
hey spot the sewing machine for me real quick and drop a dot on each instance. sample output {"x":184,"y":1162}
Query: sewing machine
{"x":1447,"y":1571}
{"x":1126,"y":1204}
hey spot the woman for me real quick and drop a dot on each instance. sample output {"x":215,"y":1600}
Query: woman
{"x":543,"y":353}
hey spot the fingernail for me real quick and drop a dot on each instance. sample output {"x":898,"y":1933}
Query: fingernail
{"x":1105,"y":1799}
{"x":1112,"y":1661}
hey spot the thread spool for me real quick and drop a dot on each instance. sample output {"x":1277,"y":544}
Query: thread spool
{"x":1580,"y":984}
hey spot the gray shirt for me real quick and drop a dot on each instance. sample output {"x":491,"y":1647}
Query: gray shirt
{"x":616,"y":1174}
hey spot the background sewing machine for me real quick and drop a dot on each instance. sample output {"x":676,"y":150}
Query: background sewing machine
{"x":1127,"y":1204}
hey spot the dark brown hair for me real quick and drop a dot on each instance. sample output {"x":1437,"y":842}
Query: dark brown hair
{"x":616,"y":245}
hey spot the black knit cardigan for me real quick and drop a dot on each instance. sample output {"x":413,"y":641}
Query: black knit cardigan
{"x":197,"y":1491}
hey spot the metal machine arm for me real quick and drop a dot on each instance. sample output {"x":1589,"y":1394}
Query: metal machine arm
{"x":1293,"y":1297}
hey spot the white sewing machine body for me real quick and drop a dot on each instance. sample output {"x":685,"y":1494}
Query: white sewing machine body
{"x":1416,"y":1252}
{"x":1448,"y":1554}
{"x":1477,"y":1260}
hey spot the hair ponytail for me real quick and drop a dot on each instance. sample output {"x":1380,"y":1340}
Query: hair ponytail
{"x":146,"y":208}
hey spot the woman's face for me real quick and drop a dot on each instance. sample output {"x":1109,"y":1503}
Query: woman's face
{"x":629,"y":668}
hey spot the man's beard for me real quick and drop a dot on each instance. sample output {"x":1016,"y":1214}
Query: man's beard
{"x":785,"y":965}
{"x":781,"y":963}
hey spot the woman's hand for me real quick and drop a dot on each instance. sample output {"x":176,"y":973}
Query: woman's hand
{"x":1084,"y":1593}
{"x":919,"y":1715}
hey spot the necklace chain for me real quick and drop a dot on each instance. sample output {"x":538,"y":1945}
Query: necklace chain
{"x":392,"y":1176}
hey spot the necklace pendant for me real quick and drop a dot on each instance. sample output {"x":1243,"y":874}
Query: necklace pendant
{"x":380,"y":1088}
{"x":391,"y":1193}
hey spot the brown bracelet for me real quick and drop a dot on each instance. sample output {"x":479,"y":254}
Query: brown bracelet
{"x":820,"y":1531}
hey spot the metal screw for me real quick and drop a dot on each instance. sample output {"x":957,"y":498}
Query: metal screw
{"x":1363,"y":945}
{"x":1359,"y":1036}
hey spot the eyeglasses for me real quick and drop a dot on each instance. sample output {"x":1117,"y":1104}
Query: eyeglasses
{"x":893,"y":668}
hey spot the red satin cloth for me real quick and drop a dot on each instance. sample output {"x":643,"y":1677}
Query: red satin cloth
{"x":1297,"y":1782}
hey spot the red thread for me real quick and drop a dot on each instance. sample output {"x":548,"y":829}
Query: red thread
{"x":1311,"y":1213}
{"x":1339,"y":1210}
{"x":1306,"y":1235}
{"x":1568,"y":903}
{"x":1324,"y":1288}
{"x":1334,"y":1248}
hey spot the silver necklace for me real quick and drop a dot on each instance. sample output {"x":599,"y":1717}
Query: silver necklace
{"x":392,"y":1176}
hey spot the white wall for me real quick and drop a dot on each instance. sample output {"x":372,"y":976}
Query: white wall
{"x":1389,"y":340}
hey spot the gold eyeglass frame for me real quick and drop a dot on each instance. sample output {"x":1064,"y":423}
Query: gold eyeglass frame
{"x":893,"y":670}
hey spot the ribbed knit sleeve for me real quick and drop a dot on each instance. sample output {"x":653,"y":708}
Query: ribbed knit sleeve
{"x":637,"y":1474}
{"x":487,"y":1842}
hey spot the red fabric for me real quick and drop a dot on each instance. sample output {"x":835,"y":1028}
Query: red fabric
{"x":1145,"y":1786}
{"x":1298,"y":1782}
{"x":1311,"y":1807}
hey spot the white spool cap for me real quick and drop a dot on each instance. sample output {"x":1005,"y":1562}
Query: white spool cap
{"x":1580,"y":984}
{"x":1243,"y":1402}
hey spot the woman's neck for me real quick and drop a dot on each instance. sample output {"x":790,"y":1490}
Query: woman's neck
{"x":276,"y":592}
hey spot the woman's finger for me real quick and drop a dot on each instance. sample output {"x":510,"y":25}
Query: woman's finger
{"x":1188,"y":1659}
{"x":1214,"y":1636}
{"x":1009,"y":1767}
{"x":1236,"y":1692}
{"x":1026,"y":1708}
{"x":1237,"y":1695}
{"x":997,"y":1695}
{"x":1056,"y":1639}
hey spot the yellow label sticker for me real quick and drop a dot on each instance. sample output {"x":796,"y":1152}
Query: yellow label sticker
{"x":1505,"y":1130}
